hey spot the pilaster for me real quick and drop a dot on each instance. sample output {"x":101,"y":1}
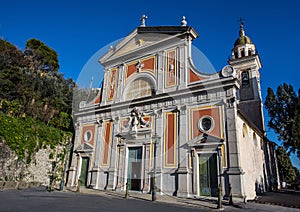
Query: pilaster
{"x":234,"y":172}
{"x":160,"y":72}
{"x":121,"y":184}
{"x":182,"y":171}
{"x":147,"y":167}
{"x":111,"y":172}
{"x":96,"y":165}
{"x":159,"y":129}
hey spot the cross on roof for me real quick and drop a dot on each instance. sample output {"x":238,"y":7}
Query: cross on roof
{"x":241,"y":21}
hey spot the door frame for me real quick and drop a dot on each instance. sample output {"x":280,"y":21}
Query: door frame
{"x":198,"y":189}
{"x":142,"y":164}
{"x":88,"y":174}
{"x":85,"y":183}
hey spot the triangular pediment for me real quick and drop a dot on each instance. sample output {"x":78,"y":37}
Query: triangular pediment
{"x":132,"y":43}
{"x":85,"y":147}
{"x":205,"y":140}
{"x":141,"y":38}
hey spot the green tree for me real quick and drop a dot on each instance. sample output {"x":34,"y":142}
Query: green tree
{"x":286,"y":170}
{"x":296,"y":126}
{"x":43,"y":57}
{"x":35,"y":104}
{"x":10,"y":55}
{"x":284,"y":111}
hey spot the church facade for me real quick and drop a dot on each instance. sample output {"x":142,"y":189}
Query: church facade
{"x":160,"y":123}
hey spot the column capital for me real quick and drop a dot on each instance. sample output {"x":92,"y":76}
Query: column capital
{"x":77,"y":125}
{"x":99,"y":122}
{"x":182,"y":109}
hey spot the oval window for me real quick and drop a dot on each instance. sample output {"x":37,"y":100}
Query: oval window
{"x":206,"y":124}
{"x":87,"y":136}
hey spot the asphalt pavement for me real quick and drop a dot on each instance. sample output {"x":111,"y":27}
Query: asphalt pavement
{"x":284,"y":197}
{"x":88,"y":200}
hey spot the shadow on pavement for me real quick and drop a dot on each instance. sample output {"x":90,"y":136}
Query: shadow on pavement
{"x":283,"y":197}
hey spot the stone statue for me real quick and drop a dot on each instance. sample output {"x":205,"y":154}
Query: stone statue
{"x":139,"y":66}
{"x":136,"y":120}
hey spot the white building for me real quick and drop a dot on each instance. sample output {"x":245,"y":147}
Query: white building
{"x":158,"y":115}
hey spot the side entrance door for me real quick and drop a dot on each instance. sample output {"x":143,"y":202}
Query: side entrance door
{"x":84,"y":171}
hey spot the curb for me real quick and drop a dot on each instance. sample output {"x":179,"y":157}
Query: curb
{"x":194,"y":203}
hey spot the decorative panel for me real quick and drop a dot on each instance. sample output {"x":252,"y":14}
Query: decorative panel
{"x":170,"y":139}
{"x":106,"y":143}
{"x":203,"y":116}
{"x":88,"y":134}
{"x":144,"y":64}
{"x":171,"y":68}
{"x":193,"y":77}
{"x":112,"y":84}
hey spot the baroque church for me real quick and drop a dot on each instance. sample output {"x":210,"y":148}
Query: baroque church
{"x":160,"y":123}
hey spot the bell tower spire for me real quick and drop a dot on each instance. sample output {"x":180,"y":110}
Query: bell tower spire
{"x":242,"y":31}
{"x":246,"y":62}
{"x":243,"y":46}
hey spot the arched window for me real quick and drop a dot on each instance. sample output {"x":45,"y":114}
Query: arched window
{"x":249,"y":52}
{"x":262,"y":144}
{"x":255,"y":139}
{"x":236,"y":55}
{"x":245,"y":78}
{"x":139,"y":88}
{"x":245,"y":130}
{"x":243,"y":52}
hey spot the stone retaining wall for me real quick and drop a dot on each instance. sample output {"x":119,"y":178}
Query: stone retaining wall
{"x":15,"y":173}
{"x":18,"y":185}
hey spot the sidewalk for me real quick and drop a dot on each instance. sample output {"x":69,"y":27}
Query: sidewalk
{"x":206,"y":203}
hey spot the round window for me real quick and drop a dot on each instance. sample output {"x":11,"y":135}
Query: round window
{"x":206,"y":124}
{"x":87,"y":136}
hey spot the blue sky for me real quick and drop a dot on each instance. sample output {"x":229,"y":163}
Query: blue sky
{"x":79,"y":29}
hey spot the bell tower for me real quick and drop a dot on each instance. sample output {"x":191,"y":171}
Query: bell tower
{"x":246,"y":61}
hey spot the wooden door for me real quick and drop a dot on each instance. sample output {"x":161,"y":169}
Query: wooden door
{"x":84,"y":172}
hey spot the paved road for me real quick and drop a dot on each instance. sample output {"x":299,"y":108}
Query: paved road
{"x":43,"y":201}
{"x":284,"y":197}
{"x":39,"y":200}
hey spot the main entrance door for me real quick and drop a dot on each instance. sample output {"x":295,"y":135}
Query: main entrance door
{"x":208,"y":175}
{"x":84,"y":171}
{"x":134,"y":168}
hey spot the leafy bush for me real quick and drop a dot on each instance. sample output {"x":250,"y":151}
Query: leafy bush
{"x":26,"y":136}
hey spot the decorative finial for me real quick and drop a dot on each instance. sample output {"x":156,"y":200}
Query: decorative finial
{"x":183,"y":21}
{"x":143,"y":20}
{"x":241,"y":21}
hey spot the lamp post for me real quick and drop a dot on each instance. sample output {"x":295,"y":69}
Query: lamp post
{"x":220,"y":179}
{"x":156,"y":139}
